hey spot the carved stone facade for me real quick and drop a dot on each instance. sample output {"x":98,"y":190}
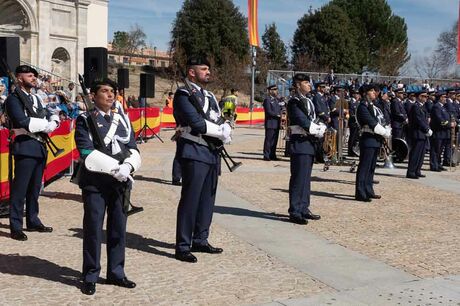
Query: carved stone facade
{"x":54,"y":32}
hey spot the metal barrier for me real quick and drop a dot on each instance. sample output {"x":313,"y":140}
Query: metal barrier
{"x":283,"y":78}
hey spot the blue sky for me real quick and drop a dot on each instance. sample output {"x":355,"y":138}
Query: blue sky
{"x":426,"y":19}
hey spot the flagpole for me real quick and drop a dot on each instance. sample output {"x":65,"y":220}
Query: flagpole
{"x":253,"y":74}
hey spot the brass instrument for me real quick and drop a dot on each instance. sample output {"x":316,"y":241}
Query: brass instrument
{"x":330,"y":143}
{"x":387,"y":154}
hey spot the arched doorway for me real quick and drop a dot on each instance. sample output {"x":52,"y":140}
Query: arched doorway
{"x":14,"y":21}
{"x":60,"y":63}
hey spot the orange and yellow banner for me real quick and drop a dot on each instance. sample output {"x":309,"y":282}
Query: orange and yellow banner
{"x":253,"y":28}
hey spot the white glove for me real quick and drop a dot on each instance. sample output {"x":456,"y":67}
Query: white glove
{"x":122,"y":173}
{"x":314,"y":129}
{"x":322,"y":130}
{"x":227,"y":140}
{"x":52,"y":125}
{"x":55,"y":118}
{"x":429,"y":133}
{"x":388,"y":132}
{"x":380,"y":130}
{"x":226,"y":131}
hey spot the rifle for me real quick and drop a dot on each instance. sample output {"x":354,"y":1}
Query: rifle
{"x":100,"y":146}
{"x":26,"y":105}
{"x":213,"y":143}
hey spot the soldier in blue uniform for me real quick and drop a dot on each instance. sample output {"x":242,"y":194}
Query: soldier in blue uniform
{"x":441,"y":125}
{"x":418,"y":132}
{"x":30,"y":124}
{"x":398,"y":114}
{"x":334,"y":111}
{"x":371,"y":121}
{"x":352,"y":122}
{"x":272,"y":122}
{"x":320,"y":103}
{"x":105,"y":181}
{"x":303,"y":133}
{"x":199,"y":123}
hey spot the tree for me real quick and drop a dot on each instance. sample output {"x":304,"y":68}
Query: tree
{"x":120,"y":41}
{"x":447,"y":47}
{"x":215,"y":28}
{"x":429,"y":66}
{"x":379,"y":32}
{"x":128,"y":43}
{"x":327,"y":39}
{"x":274,"y":47}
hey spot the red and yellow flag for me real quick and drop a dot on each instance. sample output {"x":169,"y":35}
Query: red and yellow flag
{"x":252,"y":23}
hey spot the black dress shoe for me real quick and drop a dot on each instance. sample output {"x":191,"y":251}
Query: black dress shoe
{"x":206,"y":249}
{"x":267,"y":159}
{"x":436,"y":170}
{"x":176,"y":183}
{"x":298,"y":220}
{"x":185,"y":256}
{"x":41,"y":229}
{"x":122,"y":282}
{"x":18,"y":235}
{"x":443,"y":169}
{"x":311,"y":216}
{"x":274,"y":158}
{"x":375,"y":182}
{"x":88,"y":288}
{"x":421,"y":175}
{"x":375,"y":196}
{"x":362,"y":199}
{"x":412,"y":176}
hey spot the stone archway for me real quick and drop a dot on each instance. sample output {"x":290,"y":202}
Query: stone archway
{"x":61,"y":63}
{"x":16,"y":20}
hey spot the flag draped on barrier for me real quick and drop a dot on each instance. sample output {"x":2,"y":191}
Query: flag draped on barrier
{"x":63,"y":137}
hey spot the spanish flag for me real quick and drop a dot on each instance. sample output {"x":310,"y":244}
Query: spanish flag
{"x":252,"y":23}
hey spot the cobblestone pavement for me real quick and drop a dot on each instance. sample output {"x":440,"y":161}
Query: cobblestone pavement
{"x":46,"y":268}
{"x":412,"y":228}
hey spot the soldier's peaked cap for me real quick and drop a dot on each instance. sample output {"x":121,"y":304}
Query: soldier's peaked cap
{"x":26,"y":69}
{"x":299,"y":77}
{"x":197,"y":61}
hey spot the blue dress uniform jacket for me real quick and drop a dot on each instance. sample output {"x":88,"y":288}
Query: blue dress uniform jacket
{"x":272,"y":125}
{"x":185,"y":114}
{"x":200,"y":167}
{"x":334,"y":112}
{"x":321,"y":107}
{"x":101,"y":193}
{"x":369,"y":145}
{"x":417,"y":130}
{"x":398,"y":119}
{"x":302,"y":154}
{"x":23,"y":145}
{"x":29,"y":160}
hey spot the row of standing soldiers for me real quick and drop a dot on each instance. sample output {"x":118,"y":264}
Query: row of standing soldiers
{"x":442,"y":109}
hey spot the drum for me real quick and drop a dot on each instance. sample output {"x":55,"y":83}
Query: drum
{"x":400,"y":150}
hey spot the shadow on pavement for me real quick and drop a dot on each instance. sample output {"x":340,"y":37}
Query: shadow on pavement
{"x":224,"y":210}
{"x":339,"y":196}
{"x":152,"y":179}
{"x":138,"y":242}
{"x":32,"y":266}
{"x":322,"y":179}
{"x":76,"y":197}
